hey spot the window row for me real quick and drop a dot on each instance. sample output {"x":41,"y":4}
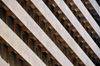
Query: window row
{"x":43,"y":23}
{"x":9,"y":55}
{"x":26,"y":36}
{"x":82,"y":19}
{"x":68,"y":26}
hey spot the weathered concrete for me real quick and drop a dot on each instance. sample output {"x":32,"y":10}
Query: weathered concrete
{"x":3,"y":63}
{"x":78,"y":26}
{"x":95,"y":5}
{"x":16,"y":43}
{"x":88,"y":16}
{"x":37,"y":31}
{"x":61,"y":30}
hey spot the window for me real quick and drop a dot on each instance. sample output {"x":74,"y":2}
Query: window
{"x":11,"y":22}
{"x":30,"y":11}
{"x":4,"y":52}
{"x":17,"y":0}
{"x":12,"y":59}
{"x":62,"y":22}
{"x":25,"y":37}
{"x":32,"y":44}
{"x":76,"y":38}
{"x":36,"y":18}
{"x":59,"y":44}
{"x":3,"y":14}
{"x":69,"y":55}
{"x":74,"y":61}
{"x":67,"y":27}
{"x":18,"y":30}
{"x":78,"y":64}
{"x":48,"y":32}
{"x":52,"y":8}
{"x":65,"y":1}
{"x":71,"y":33}
{"x":50,"y":62}
{"x":46,"y":2}
{"x":19,"y":62}
{"x":54,"y":38}
{"x":42,"y":25}
{"x":55,"y":65}
{"x":44,"y":57}
{"x":64,"y":50}
{"x":23,"y":4}
{"x":57,"y":15}
{"x":38,"y":51}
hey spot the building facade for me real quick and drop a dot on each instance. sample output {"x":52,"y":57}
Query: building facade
{"x":49,"y":32}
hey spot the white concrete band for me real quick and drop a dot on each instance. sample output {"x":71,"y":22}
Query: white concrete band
{"x":16,"y":43}
{"x":95,"y":5}
{"x":61,"y":30}
{"x":3,"y":63}
{"x":78,"y":26}
{"x":88,"y":16}
{"x":38,"y":32}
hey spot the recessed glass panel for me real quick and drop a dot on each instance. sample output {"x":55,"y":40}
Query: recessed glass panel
{"x":44,"y":57}
{"x":4,"y":52}
{"x":11,"y":22}
{"x":12,"y":59}
{"x":18,"y":30}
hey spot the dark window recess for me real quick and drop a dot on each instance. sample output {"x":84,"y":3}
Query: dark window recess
{"x":78,"y":64}
{"x":32,"y":44}
{"x":18,"y":30}
{"x":42,"y":25}
{"x":71,"y":33}
{"x":30,"y":11}
{"x":3,"y":14}
{"x":17,"y":0}
{"x":62,"y":22}
{"x":44,"y":57}
{"x":48,"y":32}
{"x":64,"y":50}
{"x":25,"y":37}
{"x":65,"y":1}
{"x":46,"y":2}
{"x":98,"y":1}
{"x":23,"y":4}
{"x":54,"y":38}
{"x":67,"y":27}
{"x":69,"y":55}
{"x":50,"y":62}
{"x":55,"y":65}
{"x":12,"y":59}
{"x":59,"y":44}
{"x":4,"y":52}
{"x":76,"y":38}
{"x":19,"y":62}
{"x":74,"y":61}
{"x":57,"y":15}
{"x":11,"y":22}
{"x":52,"y":8}
{"x":38,"y":51}
{"x":36,"y":18}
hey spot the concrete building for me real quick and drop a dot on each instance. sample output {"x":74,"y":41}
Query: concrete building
{"x":49,"y":32}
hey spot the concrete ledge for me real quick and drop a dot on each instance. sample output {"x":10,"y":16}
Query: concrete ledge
{"x":78,"y":26}
{"x":88,"y":16}
{"x":61,"y":30}
{"x":14,"y":41}
{"x":95,"y":5}
{"x":37,"y":31}
{"x":3,"y":63}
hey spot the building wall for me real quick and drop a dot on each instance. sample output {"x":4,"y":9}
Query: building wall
{"x":49,"y":33}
